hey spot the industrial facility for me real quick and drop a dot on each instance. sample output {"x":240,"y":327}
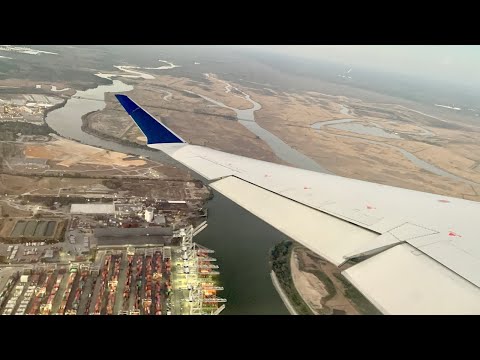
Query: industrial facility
{"x":95,"y":250}
{"x":26,"y":107}
{"x":194,"y":278}
{"x":175,"y":279}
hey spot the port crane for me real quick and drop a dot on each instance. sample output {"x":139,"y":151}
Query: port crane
{"x":208,"y":266}
{"x":209,"y":288}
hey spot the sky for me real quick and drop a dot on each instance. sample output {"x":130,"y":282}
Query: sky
{"x":453,"y":63}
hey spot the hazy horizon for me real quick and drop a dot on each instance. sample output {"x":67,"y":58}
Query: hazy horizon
{"x":447,"y":63}
{"x":452,"y":63}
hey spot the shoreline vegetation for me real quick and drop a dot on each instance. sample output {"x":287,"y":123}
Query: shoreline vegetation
{"x":280,"y":263}
{"x":282,"y":294}
{"x":55,"y":107}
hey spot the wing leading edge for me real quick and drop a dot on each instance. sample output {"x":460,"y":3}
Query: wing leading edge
{"x":346,"y":218}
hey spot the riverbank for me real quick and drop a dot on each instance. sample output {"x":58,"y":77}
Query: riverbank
{"x":282,"y":294}
{"x":55,"y":107}
{"x":281,"y":275}
{"x":311,"y":285}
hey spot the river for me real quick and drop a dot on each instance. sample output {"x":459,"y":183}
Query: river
{"x":241,"y":240}
{"x":285,"y":152}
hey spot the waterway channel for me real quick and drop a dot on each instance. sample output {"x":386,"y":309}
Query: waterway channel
{"x":285,"y":152}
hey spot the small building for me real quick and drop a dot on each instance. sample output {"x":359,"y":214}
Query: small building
{"x":171,"y":205}
{"x":24,"y":279}
{"x":48,"y":254}
{"x":167,"y":252}
{"x":159,"y":219}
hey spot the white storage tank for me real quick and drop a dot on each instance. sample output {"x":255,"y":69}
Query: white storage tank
{"x":149,"y":214}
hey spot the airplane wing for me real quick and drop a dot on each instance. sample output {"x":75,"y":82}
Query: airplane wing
{"x":413,"y":252}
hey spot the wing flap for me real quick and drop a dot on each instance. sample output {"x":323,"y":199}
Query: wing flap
{"x":403,"y":280}
{"x":326,"y":235}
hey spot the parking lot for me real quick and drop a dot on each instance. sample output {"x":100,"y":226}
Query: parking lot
{"x":31,"y":252}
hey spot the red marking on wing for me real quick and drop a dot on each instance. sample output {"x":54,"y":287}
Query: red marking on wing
{"x":444,"y":201}
{"x":451,"y":233}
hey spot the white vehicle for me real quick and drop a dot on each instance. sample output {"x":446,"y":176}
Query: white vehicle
{"x":422,"y":249}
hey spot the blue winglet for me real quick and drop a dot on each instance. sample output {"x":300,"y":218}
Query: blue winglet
{"x":153,"y":129}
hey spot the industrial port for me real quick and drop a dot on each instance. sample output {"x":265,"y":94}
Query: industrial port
{"x":194,"y":278}
{"x":180,"y":279}
{"x":106,"y":244}
{"x":27,"y":107}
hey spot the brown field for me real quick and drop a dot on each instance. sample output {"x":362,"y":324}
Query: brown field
{"x":71,"y":157}
{"x":11,"y":211}
{"x":304,"y":265}
{"x":69,"y":153}
{"x":6,"y":227}
{"x":353,"y":157}
{"x":172,"y":189}
{"x":17,"y":185}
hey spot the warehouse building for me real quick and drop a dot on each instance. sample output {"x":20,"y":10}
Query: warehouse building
{"x":92,"y":209}
{"x":124,"y":237}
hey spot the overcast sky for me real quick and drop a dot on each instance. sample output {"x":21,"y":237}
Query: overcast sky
{"x":457,"y":63}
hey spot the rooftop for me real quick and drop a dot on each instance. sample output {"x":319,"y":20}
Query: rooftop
{"x":111,"y":237}
{"x":92,"y":209}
